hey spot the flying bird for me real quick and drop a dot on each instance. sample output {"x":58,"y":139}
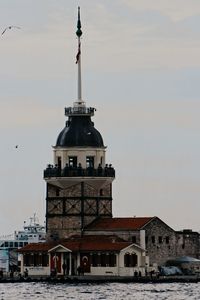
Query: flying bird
{"x":9,"y":27}
{"x":16,"y":146}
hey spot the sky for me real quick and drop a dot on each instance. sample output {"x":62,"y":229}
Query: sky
{"x":140,"y":70}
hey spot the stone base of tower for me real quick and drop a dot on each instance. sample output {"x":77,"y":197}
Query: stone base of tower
{"x":72,"y":206}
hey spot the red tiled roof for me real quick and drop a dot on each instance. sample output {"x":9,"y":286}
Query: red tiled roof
{"x":108,"y":224}
{"x":37,"y":247}
{"x":88,"y":243}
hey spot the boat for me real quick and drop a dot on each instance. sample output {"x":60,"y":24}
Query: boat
{"x":33,"y":232}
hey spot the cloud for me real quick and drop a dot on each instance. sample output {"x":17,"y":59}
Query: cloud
{"x":27,"y":113}
{"x":177,"y":9}
{"x":155,"y":116}
{"x":143,"y":40}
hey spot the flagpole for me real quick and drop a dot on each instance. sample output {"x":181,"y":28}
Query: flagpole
{"x":79,"y":73}
{"x":78,"y":58}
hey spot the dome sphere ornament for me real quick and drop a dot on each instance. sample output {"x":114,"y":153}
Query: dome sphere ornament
{"x":79,"y":31}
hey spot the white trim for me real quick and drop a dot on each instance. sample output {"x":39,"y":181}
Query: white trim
{"x":61,"y":246}
{"x":135,"y":245}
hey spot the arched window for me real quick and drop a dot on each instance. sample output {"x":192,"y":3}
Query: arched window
{"x":134,"y":260}
{"x":130,"y":260}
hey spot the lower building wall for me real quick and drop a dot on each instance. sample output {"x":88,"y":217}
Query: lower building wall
{"x":106,"y":271}
{"x":123,"y":271}
{"x":37,"y":271}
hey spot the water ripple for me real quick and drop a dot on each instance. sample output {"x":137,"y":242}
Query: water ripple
{"x":110,"y":291}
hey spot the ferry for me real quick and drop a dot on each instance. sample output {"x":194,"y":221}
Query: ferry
{"x":33,"y":232}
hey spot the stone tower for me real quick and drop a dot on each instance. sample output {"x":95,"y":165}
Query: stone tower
{"x":79,"y":184}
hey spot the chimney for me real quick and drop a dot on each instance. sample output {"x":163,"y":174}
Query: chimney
{"x":142,"y":239}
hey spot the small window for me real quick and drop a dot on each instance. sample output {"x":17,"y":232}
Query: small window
{"x":57,"y":192}
{"x":90,"y":161}
{"x":134,"y":239}
{"x":130,"y":260}
{"x":59,"y":162}
{"x":160,"y":240}
{"x":101,"y":192}
{"x":183,"y":246}
{"x":153,"y":240}
{"x":146,"y":239}
{"x":95,"y":259}
{"x":167,"y":239}
{"x":112,"y":260}
{"x":103,"y":259}
{"x":73,"y":161}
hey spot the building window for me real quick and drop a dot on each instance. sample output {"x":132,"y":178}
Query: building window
{"x":153,"y":240}
{"x":89,"y":161}
{"x":103,"y":260}
{"x":130,"y":260}
{"x":36,"y":259}
{"x":167,"y":239}
{"x":45,"y":260}
{"x":101,"y":192}
{"x":27,"y":259}
{"x":57,"y":192}
{"x":112,"y":260}
{"x":160,"y":240}
{"x":146,"y":239}
{"x":59,"y":162}
{"x":95,"y":260}
{"x":134,"y":239}
{"x":73,"y":161}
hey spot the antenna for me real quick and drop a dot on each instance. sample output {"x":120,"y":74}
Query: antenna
{"x":80,"y":102}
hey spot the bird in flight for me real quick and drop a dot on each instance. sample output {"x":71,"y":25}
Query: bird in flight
{"x":9,"y":27}
{"x":16,"y":146}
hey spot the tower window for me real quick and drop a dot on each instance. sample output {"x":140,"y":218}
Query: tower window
{"x":160,"y":240}
{"x":57,"y":192}
{"x":90,"y":161}
{"x":59,"y":162}
{"x":153,"y":240}
{"x":73,"y":161}
{"x":101,"y":192}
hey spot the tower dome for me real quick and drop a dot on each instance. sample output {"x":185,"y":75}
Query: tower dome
{"x":80,"y":131}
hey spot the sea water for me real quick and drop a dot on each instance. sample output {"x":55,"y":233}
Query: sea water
{"x":112,"y":291}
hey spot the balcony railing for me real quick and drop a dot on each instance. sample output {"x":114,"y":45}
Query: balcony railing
{"x":68,"y":171}
{"x":70,"y":111}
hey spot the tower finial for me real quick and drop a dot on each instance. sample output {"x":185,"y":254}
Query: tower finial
{"x":78,"y":61}
{"x":79,"y":31}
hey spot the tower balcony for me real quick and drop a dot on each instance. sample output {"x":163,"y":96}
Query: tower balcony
{"x":68,"y":171}
{"x":79,"y":111}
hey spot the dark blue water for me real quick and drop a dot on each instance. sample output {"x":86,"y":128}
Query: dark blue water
{"x":112,"y":291}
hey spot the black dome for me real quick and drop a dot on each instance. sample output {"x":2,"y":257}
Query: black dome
{"x":79,"y":131}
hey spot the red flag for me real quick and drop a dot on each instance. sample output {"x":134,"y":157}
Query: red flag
{"x":79,"y":52}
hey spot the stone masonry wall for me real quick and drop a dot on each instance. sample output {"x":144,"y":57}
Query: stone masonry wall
{"x":75,"y":206}
{"x":187,"y":243}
